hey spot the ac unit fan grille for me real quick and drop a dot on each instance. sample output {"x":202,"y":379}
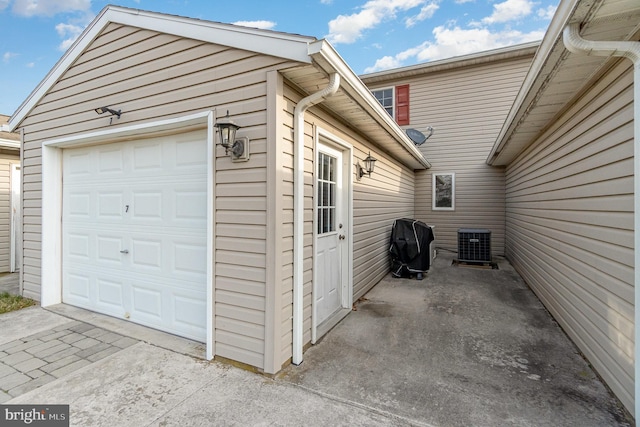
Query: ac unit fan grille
{"x":474,"y":245}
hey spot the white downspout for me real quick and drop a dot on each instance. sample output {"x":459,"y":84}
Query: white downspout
{"x":298,"y":210}
{"x":627,"y":49}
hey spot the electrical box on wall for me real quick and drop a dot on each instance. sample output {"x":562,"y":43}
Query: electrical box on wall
{"x":474,"y":245}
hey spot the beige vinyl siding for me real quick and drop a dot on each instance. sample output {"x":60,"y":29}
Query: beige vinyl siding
{"x":377,"y":201}
{"x":6,"y":159}
{"x":466,"y":107}
{"x":570,"y":225}
{"x":153,"y":76}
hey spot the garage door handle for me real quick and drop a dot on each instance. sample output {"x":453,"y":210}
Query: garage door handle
{"x":125,"y":251}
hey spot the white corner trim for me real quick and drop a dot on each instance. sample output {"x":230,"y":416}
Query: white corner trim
{"x":51,"y":282}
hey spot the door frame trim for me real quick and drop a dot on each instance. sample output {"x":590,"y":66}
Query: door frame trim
{"x":324,"y":137}
{"x":51,"y":255}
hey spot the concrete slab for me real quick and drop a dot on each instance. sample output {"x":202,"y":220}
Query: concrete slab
{"x":28,"y":321}
{"x":132,"y":330}
{"x":147,"y":385}
{"x":461,"y":347}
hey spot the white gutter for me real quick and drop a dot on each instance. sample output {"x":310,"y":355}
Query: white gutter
{"x":298,"y":211}
{"x":631,"y":50}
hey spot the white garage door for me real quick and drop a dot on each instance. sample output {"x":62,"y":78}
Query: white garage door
{"x":134,"y":231}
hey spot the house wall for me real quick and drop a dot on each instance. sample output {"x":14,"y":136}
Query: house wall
{"x":569,"y":201}
{"x":466,"y":106}
{"x":377,"y":201}
{"x":6,"y":159}
{"x":152,"y":76}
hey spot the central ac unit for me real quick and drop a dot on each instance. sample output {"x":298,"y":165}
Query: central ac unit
{"x":474,"y":245}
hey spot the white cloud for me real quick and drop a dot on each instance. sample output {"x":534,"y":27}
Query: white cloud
{"x":49,"y":7}
{"x":349,"y":28}
{"x":8,"y":56}
{"x":31,"y":64}
{"x":326,"y":1}
{"x":548,"y":12}
{"x":263,"y":25}
{"x":455,"y":41}
{"x":69,"y":33}
{"x":4,"y":4}
{"x":463,"y":1}
{"x":509,"y":10}
{"x":426,"y":12}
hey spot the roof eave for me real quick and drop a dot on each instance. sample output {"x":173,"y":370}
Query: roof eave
{"x":540,"y":61}
{"x":288,"y":46}
{"x":352,"y":83}
{"x":500,"y":54}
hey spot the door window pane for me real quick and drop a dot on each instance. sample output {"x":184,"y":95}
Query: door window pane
{"x":327,"y":187}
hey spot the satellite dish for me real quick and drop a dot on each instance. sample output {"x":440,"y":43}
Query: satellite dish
{"x":418,"y":137}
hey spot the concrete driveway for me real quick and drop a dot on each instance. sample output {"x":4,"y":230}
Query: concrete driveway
{"x":462,"y":347}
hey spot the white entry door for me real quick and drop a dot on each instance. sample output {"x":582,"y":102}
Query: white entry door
{"x":134,"y":231}
{"x":331,"y":235}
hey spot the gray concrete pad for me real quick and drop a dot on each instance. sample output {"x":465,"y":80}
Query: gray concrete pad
{"x":463,"y":347}
{"x":145,"y":385}
{"x":28,"y":321}
{"x":132,"y":330}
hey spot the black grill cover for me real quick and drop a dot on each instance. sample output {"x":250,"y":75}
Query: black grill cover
{"x":409,"y":247}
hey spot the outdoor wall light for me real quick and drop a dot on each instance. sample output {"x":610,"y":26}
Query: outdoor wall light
{"x":237,"y":148}
{"x":102,"y":110}
{"x":369,"y":164}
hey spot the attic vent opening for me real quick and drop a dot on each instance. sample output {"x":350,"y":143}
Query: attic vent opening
{"x":474,"y":245}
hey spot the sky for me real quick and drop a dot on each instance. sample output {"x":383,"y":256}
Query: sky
{"x":371,"y":35}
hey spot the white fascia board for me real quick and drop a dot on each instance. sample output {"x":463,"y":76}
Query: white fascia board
{"x":282,"y":45}
{"x":9,"y":143}
{"x":365,"y":98}
{"x":499,"y":54}
{"x":564,"y":12}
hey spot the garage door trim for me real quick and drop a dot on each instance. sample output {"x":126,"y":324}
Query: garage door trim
{"x":51,"y":292}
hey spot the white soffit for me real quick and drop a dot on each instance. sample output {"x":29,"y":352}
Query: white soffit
{"x":355,"y":104}
{"x":558,"y":76}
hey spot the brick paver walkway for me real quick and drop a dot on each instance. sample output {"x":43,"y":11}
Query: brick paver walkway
{"x":30,"y":362}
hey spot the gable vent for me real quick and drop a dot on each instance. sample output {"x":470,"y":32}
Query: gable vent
{"x":474,"y":245}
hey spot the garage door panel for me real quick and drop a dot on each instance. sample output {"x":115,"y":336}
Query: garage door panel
{"x":108,"y":249}
{"x":146,"y":254}
{"x":78,"y":164}
{"x":190,"y":206}
{"x":190,"y":312}
{"x":134,"y":231}
{"x":189,"y":258}
{"x":147,"y":157}
{"x":189,"y":154}
{"x":110,"y":160}
{"x":110,"y":204}
{"x":78,"y":204}
{"x":78,"y":286}
{"x":147,"y":205}
{"x":147,"y":302}
{"x":77,"y":246}
{"x":110,"y":294}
